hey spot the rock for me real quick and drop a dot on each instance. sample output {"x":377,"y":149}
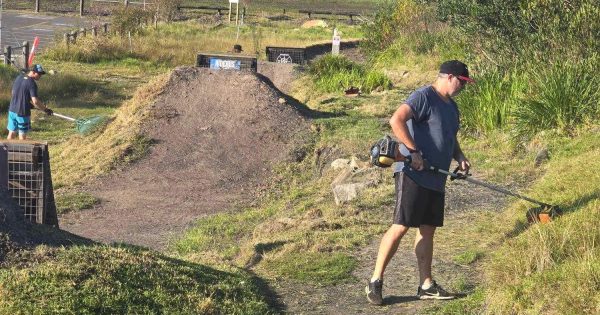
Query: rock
{"x":350,"y":183}
{"x":340,"y":164}
{"x":282,"y":100}
{"x":314,"y":23}
{"x":354,"y":163}
{"x":347,"y":192}
{"x":541,"y":157}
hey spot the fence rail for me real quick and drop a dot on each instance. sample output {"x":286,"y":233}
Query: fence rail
{"x":311,"y":12}
{"x":202,"y":7}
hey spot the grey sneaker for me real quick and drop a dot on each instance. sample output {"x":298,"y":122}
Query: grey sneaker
{"x":435,"y":292}
{"x":373,"y":290}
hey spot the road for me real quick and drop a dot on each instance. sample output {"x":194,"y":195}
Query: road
{"x":20,"y":26}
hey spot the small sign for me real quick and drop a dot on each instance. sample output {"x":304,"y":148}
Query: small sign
{"x":284,"y":58}
{"x":336,"y":40}
{"x":234,"y":1}
{"x":223,"y":64}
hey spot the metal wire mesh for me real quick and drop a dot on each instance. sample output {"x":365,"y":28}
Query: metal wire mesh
{"x":26,"y":180}
{"x":286,"y":55}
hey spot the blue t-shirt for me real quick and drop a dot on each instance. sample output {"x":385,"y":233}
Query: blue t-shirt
{"x":434,"y":126}
{"x":24,"y":88}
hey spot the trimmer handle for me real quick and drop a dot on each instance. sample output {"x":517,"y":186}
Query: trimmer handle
{"x":457,"y":175}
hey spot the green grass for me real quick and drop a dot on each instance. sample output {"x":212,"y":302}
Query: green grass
{"x":74,"y":202}
{"x":315,"y":268}
{"x":468,"y":257}
{"x":123,"y":280}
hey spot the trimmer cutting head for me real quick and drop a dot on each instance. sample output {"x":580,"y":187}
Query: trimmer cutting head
{"x":544,"y":213}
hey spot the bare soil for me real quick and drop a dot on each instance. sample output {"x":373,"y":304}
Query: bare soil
{"x":216,"y":136}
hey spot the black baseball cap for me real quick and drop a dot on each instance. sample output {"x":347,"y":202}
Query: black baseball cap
{"x":457,"y":69}
{"x":38,"y":69}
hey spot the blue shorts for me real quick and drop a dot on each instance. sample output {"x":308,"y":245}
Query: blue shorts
{"x":18,"y":123}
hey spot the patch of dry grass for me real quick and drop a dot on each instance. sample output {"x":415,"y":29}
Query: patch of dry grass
{"x":82,"y":158}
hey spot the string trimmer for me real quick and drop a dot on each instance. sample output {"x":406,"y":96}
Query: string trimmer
{"x":382,"y":152}
{"x":83,"y":126}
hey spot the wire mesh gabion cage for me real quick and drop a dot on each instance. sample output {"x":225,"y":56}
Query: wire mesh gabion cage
{"x":25,"y":173}
{"x":286,"y":55}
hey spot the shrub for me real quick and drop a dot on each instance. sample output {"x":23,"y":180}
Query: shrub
{"x":541,"y":30}
{"x":167,"y":9}
{"x":393,"y":19}
{"x":130,"y":20}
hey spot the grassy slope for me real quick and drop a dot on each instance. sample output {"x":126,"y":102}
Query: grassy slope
{"x":122,"y":280}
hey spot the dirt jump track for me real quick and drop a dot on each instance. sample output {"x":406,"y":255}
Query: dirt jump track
{"x":215,"y":135}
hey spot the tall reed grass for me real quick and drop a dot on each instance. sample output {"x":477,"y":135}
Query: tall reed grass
{"x":334,"y":73}
{"x":526,"y":101}
{"x":561,"y":96}
{"x":487,"y":105}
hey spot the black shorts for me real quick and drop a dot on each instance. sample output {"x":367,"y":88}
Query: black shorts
{"x":416,"y":205}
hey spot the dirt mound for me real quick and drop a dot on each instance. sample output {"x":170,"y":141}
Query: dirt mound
{"x":17,"y":235}
{"x":215,"y":135}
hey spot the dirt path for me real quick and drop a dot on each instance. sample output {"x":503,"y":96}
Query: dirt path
{"x":401,"y":278}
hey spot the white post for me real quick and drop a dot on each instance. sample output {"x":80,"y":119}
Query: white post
{"x":335,"y":47}
{"x":1,"y":47}
{"x":230,"y":11}
{"x":237,"y":12}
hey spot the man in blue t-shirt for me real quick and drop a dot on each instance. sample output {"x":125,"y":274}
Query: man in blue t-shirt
{"x":24,"y":95}
{"x":426,"y":124}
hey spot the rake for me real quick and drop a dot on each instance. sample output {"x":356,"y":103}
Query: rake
{"x":86,"y":125}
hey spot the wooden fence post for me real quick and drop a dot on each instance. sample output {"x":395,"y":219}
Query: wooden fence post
{"x":81,"y":3}
{"x":26,"y":54}
{"x":7,"y":55}
{"x":95,"y":31}
{"x":105,"y":27}
{"x":37,"y":6}
{"x":67,"y":39}
{"x":126,"y":3}
{"x":74,"y":36}
{"x":83,"y":31}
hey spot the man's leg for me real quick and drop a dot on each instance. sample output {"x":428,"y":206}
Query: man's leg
{"x":387,"y":248}
{"x":424,"y":252}
{"x":11,"y":134}
{"x":22,"y":136}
